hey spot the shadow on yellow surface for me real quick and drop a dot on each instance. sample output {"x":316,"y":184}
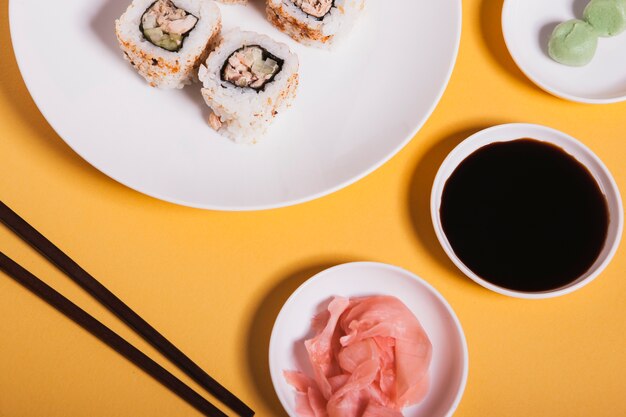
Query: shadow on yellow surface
{"x":261,"y":329}
{"x":420,"y":190}
{"x":491,"y":31}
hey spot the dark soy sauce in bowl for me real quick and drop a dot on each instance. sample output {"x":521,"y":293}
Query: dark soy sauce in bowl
{"x":524,"y":215}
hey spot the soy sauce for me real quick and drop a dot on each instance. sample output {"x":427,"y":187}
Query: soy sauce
{"x":524,"y":215}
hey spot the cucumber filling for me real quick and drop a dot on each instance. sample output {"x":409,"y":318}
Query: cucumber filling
{"x":166,"y":26}
{"x":251,"y":67}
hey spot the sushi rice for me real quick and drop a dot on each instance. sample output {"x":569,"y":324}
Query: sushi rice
{"x":311,"y":30}
{"x":243,"y":114}
{"x":161,"y":67}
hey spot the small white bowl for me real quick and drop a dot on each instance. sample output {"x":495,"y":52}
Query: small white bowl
{"x":449,"y":367}
{"x":584,"y":155}
{"x":527,"y":26}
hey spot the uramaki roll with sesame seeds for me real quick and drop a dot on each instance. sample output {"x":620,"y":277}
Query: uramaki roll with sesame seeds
{"x":166,"y":40}
{"x":248,"y":79}
{"x":318,"y":23}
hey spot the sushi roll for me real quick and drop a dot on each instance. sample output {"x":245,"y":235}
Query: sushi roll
{"x":167,"y":40}
{"x":247,"y":80}
{"x":314,"y":22}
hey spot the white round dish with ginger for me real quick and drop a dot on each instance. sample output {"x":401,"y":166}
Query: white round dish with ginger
{"x":449,"y":366}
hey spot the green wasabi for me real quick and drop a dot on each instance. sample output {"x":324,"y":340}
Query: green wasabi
{"x":608,"y":17}
{"x":573,"y":43}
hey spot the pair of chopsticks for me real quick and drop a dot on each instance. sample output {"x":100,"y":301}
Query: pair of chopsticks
{"x":63,"y":262}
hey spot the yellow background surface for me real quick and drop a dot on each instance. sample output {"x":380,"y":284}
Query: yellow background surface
{"x":214,"y":282}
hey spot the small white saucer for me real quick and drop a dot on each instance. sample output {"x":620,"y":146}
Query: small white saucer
{"x":527,"y":26}
{"x":449,"y":366}
{"x":575,"y":148}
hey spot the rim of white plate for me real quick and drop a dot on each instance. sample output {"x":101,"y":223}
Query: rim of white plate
{"x":287,"y":203}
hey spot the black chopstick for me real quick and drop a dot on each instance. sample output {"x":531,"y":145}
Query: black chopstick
{"x":120,"y":309}
{"x":107,"y":335}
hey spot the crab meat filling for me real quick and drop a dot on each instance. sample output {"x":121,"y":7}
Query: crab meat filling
{"x":252,"y":67}
{"x":166,"y":25}
{"x":315,"y":8}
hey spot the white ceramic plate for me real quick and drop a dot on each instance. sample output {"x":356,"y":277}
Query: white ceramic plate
{"x":449,"y":365}
{"x":527,"y":26}
{"x":575,"y":148}
{"x":351,"y":115}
